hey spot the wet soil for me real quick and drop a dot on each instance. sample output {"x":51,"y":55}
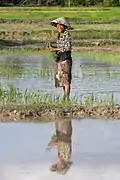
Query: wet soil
{"x":46,"y":114}
{"x":32,"y":34}
{"x":108,"y":48}
{"x":35,"y":45}
{"x":47,"y":20}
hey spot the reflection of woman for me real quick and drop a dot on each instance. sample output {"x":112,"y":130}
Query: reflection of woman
{"x":63,"y":63}
{"x":62,"y":139}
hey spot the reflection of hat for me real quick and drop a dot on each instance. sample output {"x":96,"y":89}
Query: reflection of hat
{"x":61,"y":20}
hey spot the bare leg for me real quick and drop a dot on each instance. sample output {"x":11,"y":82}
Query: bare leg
{"x":64,"y":93}
{"x":67,"y":92}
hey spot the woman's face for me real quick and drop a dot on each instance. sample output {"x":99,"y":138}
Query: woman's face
{"x":60,"y":28}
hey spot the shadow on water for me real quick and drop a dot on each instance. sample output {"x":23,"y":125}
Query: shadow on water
{"x":5,"y":44}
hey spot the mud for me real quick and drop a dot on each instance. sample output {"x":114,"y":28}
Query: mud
{"x":31,"y":34}
{"x":107,"y":48}
{"x":45,"y":114}
{"x":35,"y":45}
{"x":72,"y":20}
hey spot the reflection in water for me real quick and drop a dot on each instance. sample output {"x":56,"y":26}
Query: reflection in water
{"x":62,"y":140}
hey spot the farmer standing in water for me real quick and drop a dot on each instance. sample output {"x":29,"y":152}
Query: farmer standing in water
{"x":63,"y":64}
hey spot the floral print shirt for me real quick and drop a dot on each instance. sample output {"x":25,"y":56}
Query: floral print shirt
{"x":64,"y":41}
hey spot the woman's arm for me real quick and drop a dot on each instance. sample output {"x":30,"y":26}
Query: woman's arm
{"x":52,"y":48}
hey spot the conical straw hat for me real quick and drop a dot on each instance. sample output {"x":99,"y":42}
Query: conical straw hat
{"x":61,"y":20}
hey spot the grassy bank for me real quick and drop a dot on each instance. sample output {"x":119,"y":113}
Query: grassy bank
{"x":13,"y":96}
{"x":19,"y":105}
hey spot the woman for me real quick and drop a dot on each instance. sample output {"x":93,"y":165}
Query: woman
{"x":63,"y":63}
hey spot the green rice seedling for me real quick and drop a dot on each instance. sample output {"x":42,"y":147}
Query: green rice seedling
{"x":107,"y":101}
{"x":11,"y":97}
{"x":112,"y":101}
{"x":11,"y":72}
{"x":108,"y":57}
{"x":20,"y":100}
{"x":76,"y":100}
{"x":56,"y":98}
{"x":95,"y":34}
{"x":89,"y":101}
{"x":44,"y":99}
{"x":103,"y":101}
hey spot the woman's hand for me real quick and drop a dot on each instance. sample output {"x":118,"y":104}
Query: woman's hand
{"x":52,"y":49}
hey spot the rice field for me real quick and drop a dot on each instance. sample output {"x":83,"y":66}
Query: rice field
{"x":28,"y":28}
{"x":27,"y":72}
{"x":47,"y":13}
{"x":28,"y":94}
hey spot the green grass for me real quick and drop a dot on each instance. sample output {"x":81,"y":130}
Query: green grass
{"x":76,"y":34}
{"x":95,"y":34}
{"x":57,"y":8}
{"x":105,"y":56}
{"x":9,"y":71}
{"x":50,"y":15}
{"x":113,"y":13}
{"x":25,"y":52}
{"x":108,"y":57}
{"x":16,"y":97}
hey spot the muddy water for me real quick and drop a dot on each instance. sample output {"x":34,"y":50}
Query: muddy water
{"x":95,"y":155}
{"x":88,"y":76}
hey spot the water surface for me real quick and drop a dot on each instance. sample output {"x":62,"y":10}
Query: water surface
{"x":89,"y":76}
{"x":96,"y":151}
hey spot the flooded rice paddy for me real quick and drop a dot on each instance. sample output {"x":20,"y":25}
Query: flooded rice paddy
{"x":95,"y":151}
{"x":35,"y":72}
{"x":95,"y":143}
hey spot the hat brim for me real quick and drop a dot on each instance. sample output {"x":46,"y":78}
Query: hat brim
{"x":53,"y":23}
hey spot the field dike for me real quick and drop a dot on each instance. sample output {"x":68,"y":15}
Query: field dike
{"x":16,"y":105}
{"x":44,"y":113}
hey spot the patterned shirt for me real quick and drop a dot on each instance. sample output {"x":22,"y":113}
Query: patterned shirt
{"x":64,"y":41}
